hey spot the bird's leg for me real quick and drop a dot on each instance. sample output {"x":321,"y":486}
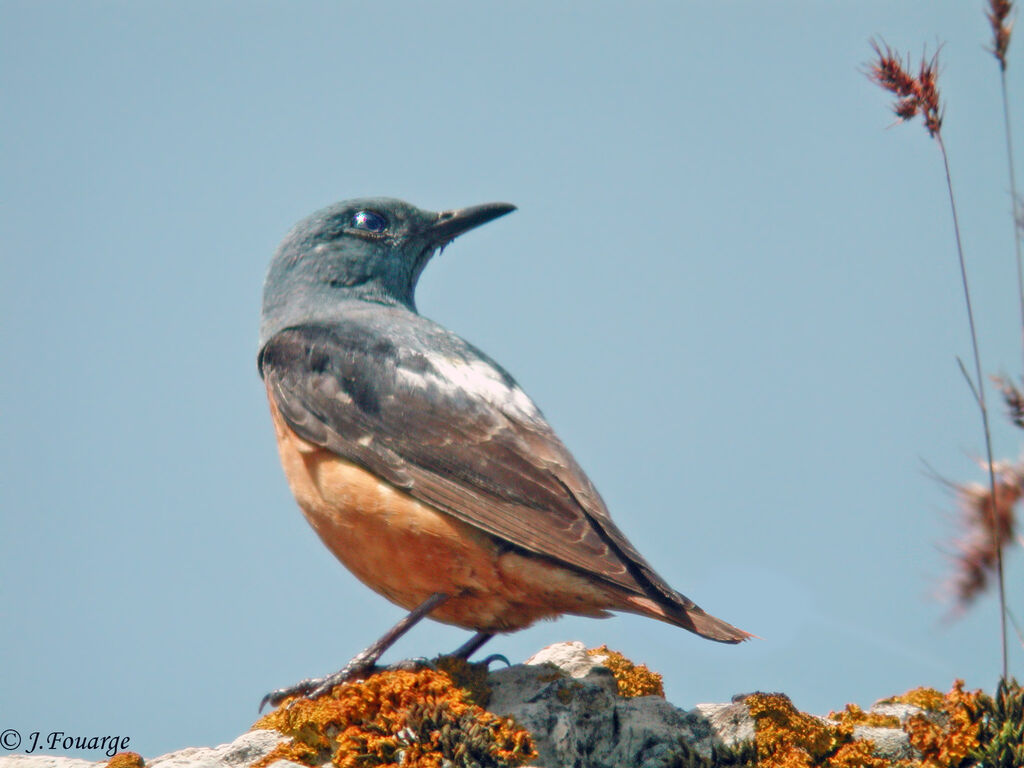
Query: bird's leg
{"x":369,"y":657}
{"x":472,"y":645}
{"x":362,"y":663}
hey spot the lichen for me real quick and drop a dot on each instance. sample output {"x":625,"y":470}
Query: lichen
{"x":631,"y":679}
{"x":126,"y":760}
{"x":944,"y":737}
{"x":470,"y":677}
{"x":854,"y":715}
{"x":856,"y":754}
{"x":434,"y":719}
{"x":788,"y":738}
{"x":947,"y":743}
{"x":550,"y":677}
{"x":566,"y":693}
{"x":925,"y":698}
{"x":396,"y":718}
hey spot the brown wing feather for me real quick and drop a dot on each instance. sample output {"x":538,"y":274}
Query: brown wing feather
{"x":389,"y":408}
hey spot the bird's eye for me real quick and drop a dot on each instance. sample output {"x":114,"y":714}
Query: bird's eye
{"x":371,"y":221}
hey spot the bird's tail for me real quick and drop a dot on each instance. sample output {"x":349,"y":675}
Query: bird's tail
{"x":689,"y":616}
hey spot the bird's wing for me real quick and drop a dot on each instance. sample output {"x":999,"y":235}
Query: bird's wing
{"x":456,"y":432}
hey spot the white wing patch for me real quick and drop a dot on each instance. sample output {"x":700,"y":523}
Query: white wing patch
{"x":477,"y":378}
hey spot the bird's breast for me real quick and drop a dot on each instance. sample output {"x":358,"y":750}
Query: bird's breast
{"x":407,"y":550}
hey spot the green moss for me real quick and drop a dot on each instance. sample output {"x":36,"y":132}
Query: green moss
{"x":472,"y":678}
{"x":1001,"y":727}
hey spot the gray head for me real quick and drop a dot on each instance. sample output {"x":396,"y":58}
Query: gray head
{"x":370,"y":249}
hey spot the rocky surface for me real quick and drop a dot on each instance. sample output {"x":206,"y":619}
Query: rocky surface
{"x":576,"y":716}
{"x":242,"y":752}
{"x":569,"y":702}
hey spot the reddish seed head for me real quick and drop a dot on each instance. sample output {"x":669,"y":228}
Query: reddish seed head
{"x":905,"y":109}
{"x":889,"y":73}
{"x":999,"y":18}
{"x":914,"y":95}
{"x":988,"y":525}
{"x":1013,"y":398}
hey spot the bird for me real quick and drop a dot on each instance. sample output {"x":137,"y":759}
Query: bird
{"x":419,"y":461}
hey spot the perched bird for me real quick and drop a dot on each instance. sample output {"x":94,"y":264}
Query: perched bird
{"x":417,"y":459}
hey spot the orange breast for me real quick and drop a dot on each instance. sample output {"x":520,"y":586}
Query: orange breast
{"x":407,"y":550}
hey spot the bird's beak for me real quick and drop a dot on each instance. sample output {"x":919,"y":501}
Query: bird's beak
{"x":451,"y":224}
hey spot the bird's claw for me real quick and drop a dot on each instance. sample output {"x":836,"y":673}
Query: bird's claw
{"x":493,"y":658}
{"x":327,"y":684}
{"x":315,"y":687}
{"x":301,"y":688}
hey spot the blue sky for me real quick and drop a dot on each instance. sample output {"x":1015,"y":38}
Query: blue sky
{"x":730,"y":287}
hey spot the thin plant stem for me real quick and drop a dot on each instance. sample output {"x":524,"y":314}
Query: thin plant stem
{"x":969,"y":380}
{"x":1016,"y":627}
{"x":979,"y":390}
{"x":1014,"y":201}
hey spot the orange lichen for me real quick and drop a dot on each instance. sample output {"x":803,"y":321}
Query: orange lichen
{"x":395,"y":717}
{"x":126,"y":760}
{"x":854,"y":715}
{"x":788,"y":738}
{"x":945,"y":736}
{"x":925,"y":698}
{"x":292,"y":751}
{"x":631,"y":679}
{"x":856,"y":754}
{"x":947,"y":743}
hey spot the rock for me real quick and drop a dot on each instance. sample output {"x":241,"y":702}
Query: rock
{"x":904,"y":712}
{"x":890,"y":743}
{"x":44,"y":761}
{"x":243,"y":751}
{"x":569,"y":702}
{"x":730,"y":723}
{"x":572,"y":658}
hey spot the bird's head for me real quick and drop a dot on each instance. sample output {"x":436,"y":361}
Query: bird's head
{"x":372,"y":249}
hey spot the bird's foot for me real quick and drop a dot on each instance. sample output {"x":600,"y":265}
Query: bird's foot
{"x":315,"y":687}
{"x":363,"y":665}
{"x":412,"y":665}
